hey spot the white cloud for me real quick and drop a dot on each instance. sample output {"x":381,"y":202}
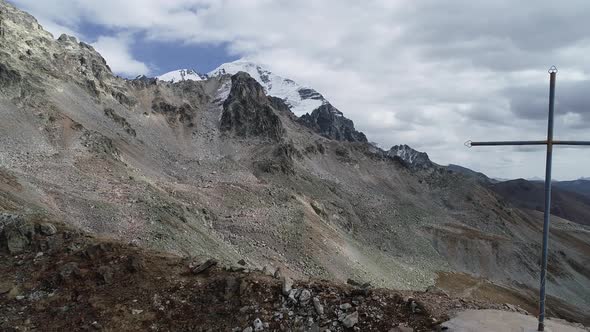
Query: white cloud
{"x":431,"y":74}
{"x":116,"y":51}
{"x":57,"y":29}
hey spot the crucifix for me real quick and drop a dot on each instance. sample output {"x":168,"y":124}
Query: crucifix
{"x":549,"y":142}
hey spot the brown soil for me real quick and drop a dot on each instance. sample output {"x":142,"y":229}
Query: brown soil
{"x":73,"y":281}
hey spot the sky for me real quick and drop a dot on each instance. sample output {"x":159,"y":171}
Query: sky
{"x":430,"y":74}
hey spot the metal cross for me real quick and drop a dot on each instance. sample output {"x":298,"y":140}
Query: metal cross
{"x":549,"y":142}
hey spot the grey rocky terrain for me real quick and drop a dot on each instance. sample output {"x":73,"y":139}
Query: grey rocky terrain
{"x":217,"y":168}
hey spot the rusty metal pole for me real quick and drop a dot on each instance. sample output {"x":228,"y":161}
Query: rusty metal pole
{"x":547,"y":215}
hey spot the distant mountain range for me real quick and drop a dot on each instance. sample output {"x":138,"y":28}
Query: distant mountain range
{"x":570,"y":199}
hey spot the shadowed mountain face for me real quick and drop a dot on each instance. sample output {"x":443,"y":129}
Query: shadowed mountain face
{"x":247,"y":110}
{"x":478,"y":176}
{"x":580,"y":186}
{"x":329,"y":122}
{"x":531,"y":195}
{"x":215,"y":167}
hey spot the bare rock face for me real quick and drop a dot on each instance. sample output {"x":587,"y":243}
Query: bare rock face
{"x":33,"y":53}
{"x":281,"y":160}
{"x":329,"y":122}
{"x":175,"y":115}
{"x":8,"y":76}
{"x":248,"y":112}
{"x":412,"y":158}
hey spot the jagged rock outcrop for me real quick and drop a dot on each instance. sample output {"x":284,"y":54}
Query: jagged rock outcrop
{"x":39,"y":59}
{"x":121,"y":121}
{"x":413,"y":159}
{"x":175,"y":115}
{"x":281,"y":160}
{"x":329,"y":122}
{"x":247,"y":110}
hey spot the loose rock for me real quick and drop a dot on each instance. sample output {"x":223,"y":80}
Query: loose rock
{"x":304,"y":297}
{"x":345,"y":306}
{"x":319,"y":308}
{"x":258,"y":325}
{"x":47,"y":229}
{"x":16,"y":237}
{"x":204,"y":267}
{"x":287,"y":285}
{"x":278,"y":273}
{"x":5,"y":287}
{"x":351,"y":320}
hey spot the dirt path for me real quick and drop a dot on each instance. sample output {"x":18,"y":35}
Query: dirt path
{"x":496,"y":320}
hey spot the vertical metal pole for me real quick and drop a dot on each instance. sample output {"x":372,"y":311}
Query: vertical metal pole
{"x":552,"y":74}
{"x":1,"y":25}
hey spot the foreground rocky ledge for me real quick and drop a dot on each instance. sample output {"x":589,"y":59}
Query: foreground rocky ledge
{"x":58,"y":279}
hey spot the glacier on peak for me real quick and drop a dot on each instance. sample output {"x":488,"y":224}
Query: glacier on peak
{"x":181,"y":75}
{"x":300,"y":99}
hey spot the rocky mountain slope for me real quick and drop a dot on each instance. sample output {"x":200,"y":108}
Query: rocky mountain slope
{"x":220,"y":167}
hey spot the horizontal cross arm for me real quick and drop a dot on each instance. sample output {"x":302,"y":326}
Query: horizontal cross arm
{"x":469,"y":143}
{"x":498,"y":143}
{"x":571,"y":142}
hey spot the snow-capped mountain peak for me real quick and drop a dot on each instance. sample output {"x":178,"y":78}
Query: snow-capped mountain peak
{"x":299,"y":98}
{"x":181,"y":75}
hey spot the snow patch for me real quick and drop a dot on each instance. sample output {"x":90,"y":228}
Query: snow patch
{"x":300,"y":99}
{"x":181,"y":75}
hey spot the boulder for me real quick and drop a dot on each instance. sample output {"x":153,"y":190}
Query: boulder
{"x":351,"y":320}
{"x":16,"y":238}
